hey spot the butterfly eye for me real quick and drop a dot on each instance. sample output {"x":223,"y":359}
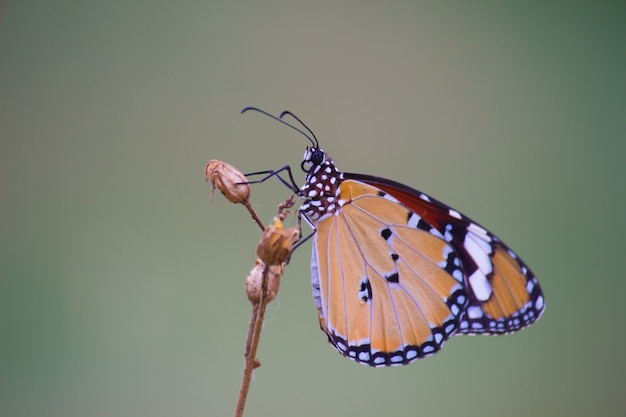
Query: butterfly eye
{"x":312,"y":157}
{"x":318,"y":156}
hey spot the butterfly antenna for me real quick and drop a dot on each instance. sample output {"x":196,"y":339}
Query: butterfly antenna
{"x":287,"y":112}
{"x":314,"y":143}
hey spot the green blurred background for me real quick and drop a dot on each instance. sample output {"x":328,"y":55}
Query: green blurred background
{"x":121,"y":290}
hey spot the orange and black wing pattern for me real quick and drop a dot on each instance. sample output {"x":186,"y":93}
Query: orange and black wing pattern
{"x":504,"y":295}
{"x":387,"y":291}
{"x":396,"y":273}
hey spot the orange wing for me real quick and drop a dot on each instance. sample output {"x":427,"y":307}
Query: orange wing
{"x":504,"y":295}
{"x":388,"y":289}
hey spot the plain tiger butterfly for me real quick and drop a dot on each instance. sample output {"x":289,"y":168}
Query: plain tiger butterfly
{"x":396,"y":273}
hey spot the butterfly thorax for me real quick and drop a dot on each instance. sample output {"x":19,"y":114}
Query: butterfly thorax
{"x":321,"y":190}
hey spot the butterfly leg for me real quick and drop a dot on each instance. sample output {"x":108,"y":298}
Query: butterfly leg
{"x":291,"y":183}
{"x":307,"y":237}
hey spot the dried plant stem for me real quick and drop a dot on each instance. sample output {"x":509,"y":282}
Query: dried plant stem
{"x":252,"y":343}
{"x":254,"y":330}
{"x":273,"y":252}
{"x":255,"y":216}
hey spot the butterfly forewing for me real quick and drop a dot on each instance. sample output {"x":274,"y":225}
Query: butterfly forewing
{"x":504,"y":295}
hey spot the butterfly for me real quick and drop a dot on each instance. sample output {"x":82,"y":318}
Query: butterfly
{"x":395,"y":273}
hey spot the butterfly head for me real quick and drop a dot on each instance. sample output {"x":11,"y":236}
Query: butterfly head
{"x":321,"y":190}
{"x":313,"y":157}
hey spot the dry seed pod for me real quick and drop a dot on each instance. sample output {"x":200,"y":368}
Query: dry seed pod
{"x":254,"y":282}
{"x":277,"y":243}
{"x":228,"y":180}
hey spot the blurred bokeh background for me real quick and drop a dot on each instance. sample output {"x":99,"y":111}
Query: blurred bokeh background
{"x":121,"y":285}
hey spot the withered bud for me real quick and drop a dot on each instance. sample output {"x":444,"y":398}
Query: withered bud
{"x":283,"y":208}
{"x":228,"y":180}
{"x":254,"y":282}
{"x":277,"y":243}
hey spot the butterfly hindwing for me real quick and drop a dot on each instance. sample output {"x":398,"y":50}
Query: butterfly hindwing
{"x":390,"y":287}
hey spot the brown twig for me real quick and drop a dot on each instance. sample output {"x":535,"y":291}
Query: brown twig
{"x":252,"y":343}
{"x":255,"y":216}
{"x":273,"y":252}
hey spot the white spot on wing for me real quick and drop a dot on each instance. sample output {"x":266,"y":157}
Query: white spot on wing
{"x":455,"y":214}
{"x":481,"y":287}
{"x":397,"y":358}
{"x":458,"y":275}
{"x":413,"y":220}
{"x":436,"y":232}
{"x":477,"y":230}
{"x":539,"y":303}
{"x":474,"y":312}
{"x":479,"y":250}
